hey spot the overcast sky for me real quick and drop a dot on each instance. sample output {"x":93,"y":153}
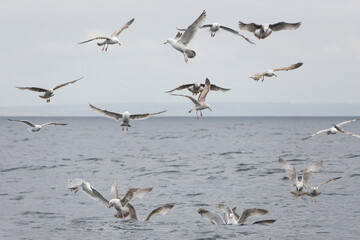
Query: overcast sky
{"x":39,"y":48}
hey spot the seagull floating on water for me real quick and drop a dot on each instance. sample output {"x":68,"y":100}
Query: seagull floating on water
{"x":48,"y":93}
{"x":230,"y":216}
{"x":271,"y":72}
{"x":122,"y":205}
{"x":196,"y":88}
{"x":314,"y":190}
{"x":113,"y":39}
{"x":35,"y":127}
{"x":293,"y":175}
{"x":214,"y":27}
{"x":125,"y":117}
{"x":181,"y":41}
{"x":200,"y":104}
{"x":262,"y":31}
{"x":335,"y":129}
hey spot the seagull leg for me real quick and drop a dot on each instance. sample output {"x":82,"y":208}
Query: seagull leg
{"x":200,"y":113}
{"x":127,"y":128}
{"x":122,"y":129}
{"x":103,"y":48}
{"x":48,"y":100}
{"x":186,"y":58}
{"x":197,"y":117}
{"x":106,"y":47}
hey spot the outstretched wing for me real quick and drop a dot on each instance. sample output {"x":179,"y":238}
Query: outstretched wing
{"x":115,"y":190}
{"x":325,"y":182}
{"x":35,"y":89}
{"x":54,"y":123}
{"x":206,"y":90}
{"x":64,"y":84}
{"x":290,"y":170}
{"x":342,"y":123}
{"x":91,"y":192}
{"x":189,"y":97}
{"x":23,"y":121}
{"x":307,"y":173}
{"x":346,"y":132}
{"x":181,"y":87}
{"x":144,"y":115}
{"x":192,"y":29}
{"x":134,"y":193}
{"x":216,"y":88}
{"x":319,"y":132}
{"x":132,"y":212}
{"x":251,"y":27}
{"x":109,"y":114}
{"x":212,"y":217}
{"x":160,"y":210}
{"x":225,"y":208}
{"x":291,"y":67}
{"x":251,"y":212}
{"x":123,"y":28}
{"x":97,"y":38}
{"x":284,"y":26}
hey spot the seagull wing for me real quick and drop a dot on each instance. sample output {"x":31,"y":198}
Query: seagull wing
{"x":23,"y":121}
{"x":290,"y":170}
{"x":109,"y":114}
{"x":132,"y":212}
{"x":53,"y":123}
{"x":342,"y":123}
{"x":206,"y":26}
{"x":144,"y":115}
{"x":251,"y":27}
{"x":64,"y":84}
{"x":115,"y":190}
{"x":181,"y":87}
{"x":291,"y":67}
{"x":225,"y":208}
{"x":94,"y":194}
{"x":325,"y":182}
{"x":319,"y":132}
{"x":160,"y":210}
{"x":35,"y":89}
{"x":192,"y":29}
{"x":189,"y":97}
{"x":212,"y":217}
{"x":346,"y":132}
{"x":307,"y":173}
{"x":284,"y":26}
{"x":123,"y":28}
{"x":134,"y":193}
{"x":97,"y":38}
{"x":206,"y":90}
{"x":251,"y":212}
{"x":216,"y":88}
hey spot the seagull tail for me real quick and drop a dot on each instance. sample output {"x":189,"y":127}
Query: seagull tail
{"x":100,"y":44}
{"x":190,"y":53}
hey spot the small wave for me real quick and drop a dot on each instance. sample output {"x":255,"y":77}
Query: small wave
{"x":193,"y":194}
{"x":41,"y":214}
{"x":352,"y":156}
{"x":13,"y":169}
{"x":234,"y":152}
{"x":355,"y":175}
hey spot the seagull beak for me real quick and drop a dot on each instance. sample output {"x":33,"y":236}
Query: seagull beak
{"x":275,"y":75}
{"x":210,"y":109}
{"x":165,"y":42}
{"x":92,"y":194}
{"x":119,"y":44}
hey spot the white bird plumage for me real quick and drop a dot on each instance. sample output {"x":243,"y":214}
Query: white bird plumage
{"x":36,"y":127}
{"x":262,"y":31}
{"x":271,"y":72}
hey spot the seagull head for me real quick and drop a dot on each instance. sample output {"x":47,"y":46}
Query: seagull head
{"x":208,"y":106}
{"x":111,"y":203}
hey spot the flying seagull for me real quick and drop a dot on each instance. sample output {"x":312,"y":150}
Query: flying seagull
{"x":181,"y":41}
{"x":271,"y":72}
{"x":48,"y":93}
{"x":262,"y":31}
{"x":334,"y":129}
{"x":113,"y":39}
{"x":200,"y":104}
{"x":125,"y":117}
{"x":293,"y":175}
{"x":314,"y":190}
{"x":214,"y":27}
{"x":196,"y":88}
{"x":35,"y":127}
{"x":230,"y":216}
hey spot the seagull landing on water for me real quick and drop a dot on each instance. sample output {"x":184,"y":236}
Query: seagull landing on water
{"x":335,"y":129}
{"x":196,"y":88}
{"x":181,"y":41}
{"x":314,"y":190}
{"x":214,"y":27}
{"x":293,"y":175}
{"x":262,"y":31}
{"x":113,"y":39}
{"x":48,"y":93}
{"x":35,"y":127}
{"x":271,"y":72}
{"x":200,"y":104}
{"x":125,"y":117}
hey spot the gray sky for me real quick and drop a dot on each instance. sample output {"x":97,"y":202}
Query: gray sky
{"x":39,"y":48}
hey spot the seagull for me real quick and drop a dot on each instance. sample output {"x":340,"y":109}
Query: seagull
{"x":113,"y":39}
{"x":230,"y":217}
{"x":264,"y":30}
{"x":271,"y":72}
{"x":48,"y":93}
{"x":314,"y":190}
{"x":200,"y":104}
{"x":35,"y":127}
{"x":334,"y":129}
{"x":214,"y":27}
{"x":75,"y":184}
{"x":293,"y":175}
{"x":181,"y":41}
{"x":197,"y":87}
{"x":125,"y":117}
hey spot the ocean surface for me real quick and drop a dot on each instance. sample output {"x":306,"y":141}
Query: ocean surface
{"x":191,"y":163}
